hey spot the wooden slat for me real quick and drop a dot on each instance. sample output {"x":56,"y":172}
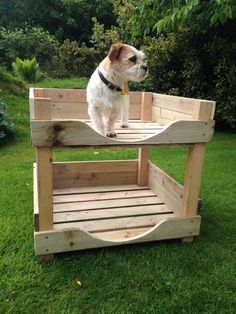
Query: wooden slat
{"x":105,"y":188}
{"x":175,"y":103}
{"x":70,"y":110}
{"x":76,"y":239}
{"x":77,"y":133}
{"x":110,"y":213}
{"x":174,"y":115}
{"x":78,"y":174}
{"x":169,"y":190}
{"x":114,"y":224}
{"x":88,"y":205}
{"x":101,"y":196}
{"x":65,"y":95}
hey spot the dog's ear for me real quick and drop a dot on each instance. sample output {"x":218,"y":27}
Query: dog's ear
{"x":115,"y":51}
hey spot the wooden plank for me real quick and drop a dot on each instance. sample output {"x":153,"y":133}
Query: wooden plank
{"x":81,"y":174}
{"x":42,"y":109}
{"x":114,"y":223}
{"x":65,"y":95}
{"x":143,"y":166}
{"x":101,"y":196}
{"x":194,"y":168}
{"x":70,"y":110}
{"x":77,"y":133}
{"x":88,"y":205}
{"x":168,"y":189}
{"x":103,"y":188}
{"x":174,"y":103}
{"x":76,"y":239}
{"x":36,"y":199}
{"x":146,"y":115}
{"x":110,"y":213}
{"x":174,"y":115}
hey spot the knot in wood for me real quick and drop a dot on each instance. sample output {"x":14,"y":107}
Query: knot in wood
{"x":58,"y":128}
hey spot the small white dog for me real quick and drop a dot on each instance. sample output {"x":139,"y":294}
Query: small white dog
{"x":107,"y":91}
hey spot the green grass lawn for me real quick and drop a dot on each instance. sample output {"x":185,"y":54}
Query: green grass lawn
{"x":161,"y":277}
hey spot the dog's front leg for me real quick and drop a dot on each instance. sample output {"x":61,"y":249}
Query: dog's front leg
{"x":110,"y":122}
{"x":96,"y":118}
{"x":125,"y":108}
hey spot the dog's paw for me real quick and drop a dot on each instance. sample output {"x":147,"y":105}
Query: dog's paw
{"x":111,"y":134}
{"x":124,"y":125}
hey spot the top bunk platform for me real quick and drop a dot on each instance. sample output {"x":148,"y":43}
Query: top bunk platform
{"x":59,"y":118}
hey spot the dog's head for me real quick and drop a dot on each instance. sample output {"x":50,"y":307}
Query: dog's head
{"x":128,"y":62}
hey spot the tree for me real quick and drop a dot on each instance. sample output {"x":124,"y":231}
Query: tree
{"x":156,"y":16}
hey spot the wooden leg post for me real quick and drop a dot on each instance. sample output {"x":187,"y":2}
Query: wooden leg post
{"x":192,"y":182}
{"x":45,"y":192}
{"x":143,"y":166}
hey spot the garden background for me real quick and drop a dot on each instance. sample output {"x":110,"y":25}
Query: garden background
{"x":191,"y":50}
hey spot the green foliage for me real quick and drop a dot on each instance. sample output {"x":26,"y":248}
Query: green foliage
{"x":27,"y":70}
{"x":28,"y":43}
{"x":66,"y":19}
{"x":197,"y":65}
{"x":147,"y":16}
{"x":10,"y":83}
{"x":75,"y":60}
{"x":81,"y":60}
{"x":6,"y":128}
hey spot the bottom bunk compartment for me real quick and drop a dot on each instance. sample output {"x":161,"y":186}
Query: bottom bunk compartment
{"x":107,"y":215}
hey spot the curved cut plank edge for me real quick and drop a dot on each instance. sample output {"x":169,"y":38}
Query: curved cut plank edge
{"x":78,"y":133}
{"x":47,"y":242}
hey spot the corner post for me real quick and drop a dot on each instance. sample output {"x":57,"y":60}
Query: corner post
{"x":42,"y":110}
{"x":145,"y":115}
{"x":204,"y":110}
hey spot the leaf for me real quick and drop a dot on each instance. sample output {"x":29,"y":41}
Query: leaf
{"x":214,"y":18}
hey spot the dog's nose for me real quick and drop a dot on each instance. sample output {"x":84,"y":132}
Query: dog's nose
{"x":144,"y":67}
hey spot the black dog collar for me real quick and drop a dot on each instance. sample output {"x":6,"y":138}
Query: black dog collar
{"x":109,"y":84}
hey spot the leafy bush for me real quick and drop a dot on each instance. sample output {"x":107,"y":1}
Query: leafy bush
{"x":6,"y":128}
{"x":28,"y":70}
{"x":28,"y":43}
{"x":10,"y":83}
{"x":75,"y":60}
{"x":198,"y":65}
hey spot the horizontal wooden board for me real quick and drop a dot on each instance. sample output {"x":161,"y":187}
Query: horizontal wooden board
{"x":99,"y":173}
{"x":168,"y":189}
{"x":78,"y":133}
{"x":101,"y":196}
{"x":107,"y":225}
{"x":98,"y":204}
{"x":174,"y":103}
{"x":110,"y":213}
{"x":77,"y":239}
{"x":102,"y":188}
{"x":65,"y":95}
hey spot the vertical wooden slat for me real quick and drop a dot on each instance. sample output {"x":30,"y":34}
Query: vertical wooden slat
{"x":146,"y":115}
{"x":203,"y":111}
{"x":42,"y":110}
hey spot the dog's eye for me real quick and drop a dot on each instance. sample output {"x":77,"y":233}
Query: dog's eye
{"x":133,"y":59}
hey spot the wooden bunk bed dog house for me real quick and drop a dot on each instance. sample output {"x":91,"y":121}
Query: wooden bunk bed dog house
{"x":80,"y":205}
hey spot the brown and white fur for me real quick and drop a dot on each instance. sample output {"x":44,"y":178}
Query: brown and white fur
{"x":123,"y":63}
